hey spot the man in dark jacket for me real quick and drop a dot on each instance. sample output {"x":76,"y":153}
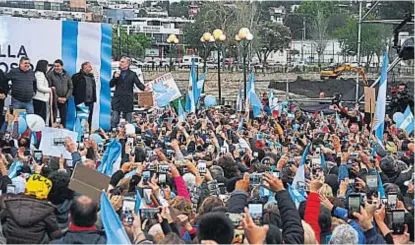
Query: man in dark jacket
{"x":84,"y":89}
{"x":83,"y":215}
{"x":124,"y":95}
{"x":61,"y":81}
{"x":29,"y":218}
{"x":4,"y":89}
{"x":23,"y":86}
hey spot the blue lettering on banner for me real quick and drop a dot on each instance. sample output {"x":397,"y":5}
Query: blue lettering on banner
{"x":105,"y":95}
{"x":69,"y":56}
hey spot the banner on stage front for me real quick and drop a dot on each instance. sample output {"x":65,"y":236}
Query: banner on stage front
{"x":164,"y":89}
{"x":71,"y":41}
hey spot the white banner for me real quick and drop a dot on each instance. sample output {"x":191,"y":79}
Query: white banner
{"x":53,"y":139}
{"x":164,"y":89}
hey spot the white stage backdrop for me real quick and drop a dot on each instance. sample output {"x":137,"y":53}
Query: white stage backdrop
{"x":73,"y":42}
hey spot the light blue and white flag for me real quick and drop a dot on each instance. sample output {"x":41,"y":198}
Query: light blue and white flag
{"x":111,"y":160}
{"x":16,"y":166}
{"x":339,"y":123}
{"x":181,"y":113}
{"x":296,"y":196}
{"x":253,"y":97}
{"x":114,"y":230}
{"x":380,"y":187}
{"x":239,"y":101}
{"x":137,"y":202}
{"x":192,"y":90}
{"x":408,"y":122}
{"x":199,"y":86}
{"x":299,"y":178}
{"x":379,"y":124}
{"x":241,"y":124}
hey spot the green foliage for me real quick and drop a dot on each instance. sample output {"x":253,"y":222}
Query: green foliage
{"x":131,"y":45}
{"x":311,"y":8}
{"x":272,"y":37}
{"x":179,"y":9}
{"x":373,"y":38}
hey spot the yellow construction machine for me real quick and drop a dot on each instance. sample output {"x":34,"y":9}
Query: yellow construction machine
{"x":334,"y":73}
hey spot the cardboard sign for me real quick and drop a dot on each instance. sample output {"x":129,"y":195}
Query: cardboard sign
{"x":370,"y":100}
{"x":145,"y":99}
{"x":164,"y":89}
{"x":88,"y":182}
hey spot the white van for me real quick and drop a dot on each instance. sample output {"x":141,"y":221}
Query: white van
{"x":187,"y":61}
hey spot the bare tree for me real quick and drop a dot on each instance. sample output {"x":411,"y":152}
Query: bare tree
{"x":319,"y":34}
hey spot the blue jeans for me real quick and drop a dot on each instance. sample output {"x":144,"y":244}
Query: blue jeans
{"x":115,"y":118}
{"x":16,"y":104}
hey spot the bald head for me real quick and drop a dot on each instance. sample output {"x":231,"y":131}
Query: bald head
{"x":411,"y":147}
{"x":84,"y":212}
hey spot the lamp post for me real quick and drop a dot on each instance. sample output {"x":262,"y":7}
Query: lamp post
{"x":172,"y":40}
{"x":219,"y":39}
{"x":205,"y":39}
{"x":244,"y":37}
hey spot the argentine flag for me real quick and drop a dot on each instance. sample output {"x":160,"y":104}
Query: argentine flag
{"x":299,"y":177}
{"x":192,"y":90}
{"x":199,"y":86}
{"x":253,"y":97}
{"x":408,"y":123}
{"x":181,"y":112}
{"x":239,"y":101}
{"x":381,"y":101}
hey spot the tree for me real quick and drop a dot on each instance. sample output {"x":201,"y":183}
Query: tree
{"x":179,"y":9}
{"x":131,"y":45}
{"x":319,"y":34}
{"x":272,"y":37}
{"x":374,"y":38}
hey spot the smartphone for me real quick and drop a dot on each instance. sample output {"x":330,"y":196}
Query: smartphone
{"x":146,"y":177}
{"x":11,"y":189}
{"x":201,"y":167}
{"x":236,"y":218}
{"x":86,"y":137}
{"x":355,"y":201}
{"x":127,"y":210}
{"x":392,"y":200}
{"x":163,"y":168}
{"x":255,"y":179}
{"x":301,"y":185}
{"x":276,"y":174}
{"x":162,"y":179}
{"x":69,"y":163}
{"x":372,"y":181}
{"x":38,"y":156}
{"x":149,"y":213}
{"x":255,"y":210}
{"x":398,"y":222}
{"x":147,"y":195}
{"x":58,"y":120}
{"x":130,"y":141}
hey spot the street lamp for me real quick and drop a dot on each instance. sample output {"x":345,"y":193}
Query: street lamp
{"x":219,"y":38}
{"x":172,"y":40}
{"x":205,"y":39}
{"x":244,"y":36}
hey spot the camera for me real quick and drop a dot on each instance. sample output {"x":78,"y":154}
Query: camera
{"x":163,"y":168}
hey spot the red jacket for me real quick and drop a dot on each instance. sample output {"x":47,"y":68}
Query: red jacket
{"x":181,"y":187}
{"x":312,"y":213}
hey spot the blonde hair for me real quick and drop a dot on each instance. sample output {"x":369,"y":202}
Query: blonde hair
{"x":309,"y":235}
{"x":336,"y":222}
{"x":326,"y":191}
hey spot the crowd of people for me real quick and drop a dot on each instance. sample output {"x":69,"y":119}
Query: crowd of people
{"x":219,"y":176}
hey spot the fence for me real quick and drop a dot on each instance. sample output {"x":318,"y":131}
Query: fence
{"x":402,"y":70}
